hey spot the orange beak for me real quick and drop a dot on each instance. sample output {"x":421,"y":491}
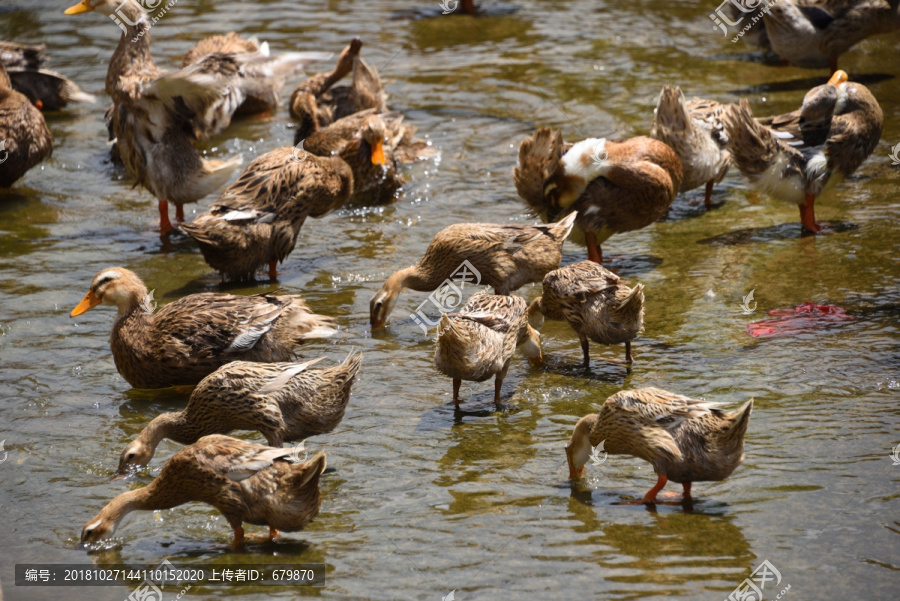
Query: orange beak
{"x":536,"y":361}
{"x":82,"y":7}
{"x":838,"y":77}
{"x":87,"y":303}
{"x":378,"y":153}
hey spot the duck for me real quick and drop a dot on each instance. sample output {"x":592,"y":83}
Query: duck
{"x":798,"y":156}
{"x":47,"y":90}
{"x":283,"y":401}
{"x":190,"y":338}
{"x":813,"y":34}
{"x":615,"y":185}
{"x":245,"y":481}
{"x":25,"y":139}
{"x":367,"y":142}
{"x":685,"y":440}
{"x":157,"y":117}
{"x":503,"y":256}
{"x":257,"y":219}
{"x":594,"y":302}
{"x":316,"y":102}
{"x":479,"y":341}
{"x":695,"y":132}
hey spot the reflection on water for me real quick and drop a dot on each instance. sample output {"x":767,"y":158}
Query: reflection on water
{"x":424,"y":499}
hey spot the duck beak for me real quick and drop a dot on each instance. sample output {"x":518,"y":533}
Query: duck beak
{"x":82,"y":7}
{"x":87,"y":303}
{"x":536,"y":361}
{"x":378,"y":152}
{"x":573,"y":473}
{"x":838,"y":77}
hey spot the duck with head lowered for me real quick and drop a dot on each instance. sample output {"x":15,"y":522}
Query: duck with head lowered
{"x":798,"y":156}
{"x":614,"y":185}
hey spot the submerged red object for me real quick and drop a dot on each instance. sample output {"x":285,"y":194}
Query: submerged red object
{"x":802,"y":318}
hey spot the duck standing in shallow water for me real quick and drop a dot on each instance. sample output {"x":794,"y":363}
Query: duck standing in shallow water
{"x":614,"y":185}
{"x":594,"y":302}
{"x":188,"y":339}
{"x":479,"y":341}
{"x":283,"y":401}
{"x":685,"y":440}
{"x":797,"y":156}
{"x":245,"y":481}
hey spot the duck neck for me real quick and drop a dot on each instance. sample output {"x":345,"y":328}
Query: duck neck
{"x":133,"y":500}
{"x":173,"y":426}
{"x":132,"y":54}
{"x":412,"y":278}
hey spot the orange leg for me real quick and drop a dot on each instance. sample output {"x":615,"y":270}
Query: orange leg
{"x":273,"y":274}
{"x":650,"y":497}
{"x":594,"y":252}
{"x":707,"y":198}
{"x":808,"y":214}
{"x":179,"y":213}
{"x":238,"y":538}
{"x":456,"y":384}
{"x":165,"y":226}
{"x":687,"y":489}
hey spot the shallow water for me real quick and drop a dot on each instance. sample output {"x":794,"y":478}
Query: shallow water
{"x":424,"y":501}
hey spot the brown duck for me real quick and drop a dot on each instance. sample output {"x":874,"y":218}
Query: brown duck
{"x":479,"y":341}
{"x":25,"y":140}
{"x":317,"y":102}
{"x":188,"y":339}
{"x":798,"y":156}
{"x":257,"y":219}
{"x":594,"y":302}
{"x":245,"y":481}
{"x":615,"y":185}
{"x":686,"y":440}
{"x":506,"y":258}
{"x":283,"y":401}
{"x":47,"y":90}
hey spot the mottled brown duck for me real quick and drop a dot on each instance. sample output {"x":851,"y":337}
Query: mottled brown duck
{"x":47,"y":90}
{"x":694,"y":130}
{"x":157,"y":118}
{"x":188,"y":339}
{"x":246,"y":482}
{"x":615,"y":185}
{"x":317,"y":102}
{"x":283,"y":401}
{"x":798,"y":156}
{"x":505,"y":257}
{"x":25,"y":140}
{"x":256,"y":221}
{"x":594,"y":302}
{"x":479,"y":341}
{"x":685,"y":440}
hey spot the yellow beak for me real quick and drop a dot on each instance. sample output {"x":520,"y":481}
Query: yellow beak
{"x":838,"y":77}
{"x":82,"y":7}
{"x":87,"y":303}
{"x":378,"y":153}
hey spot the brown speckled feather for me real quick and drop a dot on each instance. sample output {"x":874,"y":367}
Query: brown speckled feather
{"x":24,"y":136}
{"x":246,"y":482}
{"x":258,"y":217}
